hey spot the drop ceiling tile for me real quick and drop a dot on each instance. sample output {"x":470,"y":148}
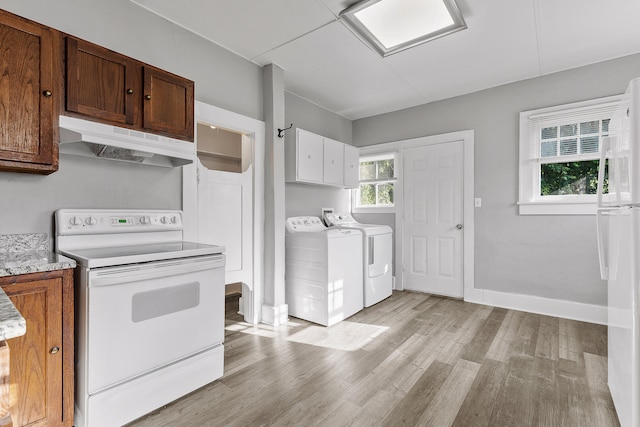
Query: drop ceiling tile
{"x":246,"y":27}
{"x":335,"y":70}
{"x":499,"y":46}
{"x":573,"y":33}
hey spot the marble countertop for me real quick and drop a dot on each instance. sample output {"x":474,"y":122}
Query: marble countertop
{"x":23,"y":254}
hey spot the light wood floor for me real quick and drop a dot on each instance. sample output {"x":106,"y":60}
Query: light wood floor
{"x":411,"y":360}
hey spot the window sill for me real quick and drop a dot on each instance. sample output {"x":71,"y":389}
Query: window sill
{"x":557,"y":208}
{"x":374,"y":209}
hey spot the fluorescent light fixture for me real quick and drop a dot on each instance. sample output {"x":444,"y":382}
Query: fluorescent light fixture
{"x":390,"y":26}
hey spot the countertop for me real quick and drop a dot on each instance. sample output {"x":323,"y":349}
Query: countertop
{"x":23,"y":254}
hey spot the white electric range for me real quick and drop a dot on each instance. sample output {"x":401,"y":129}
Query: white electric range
{"x":149,"y":309}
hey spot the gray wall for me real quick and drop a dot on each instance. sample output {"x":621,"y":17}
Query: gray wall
{"x":303,"y":199}
{"x":548,"y":256}
{"x":221,"y":78}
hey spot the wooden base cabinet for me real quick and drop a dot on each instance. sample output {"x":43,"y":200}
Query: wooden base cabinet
{"x":41,"y":366}
{"x":30,"y":82}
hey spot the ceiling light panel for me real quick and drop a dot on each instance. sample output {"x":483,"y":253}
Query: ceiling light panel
{"x":390,"y":26}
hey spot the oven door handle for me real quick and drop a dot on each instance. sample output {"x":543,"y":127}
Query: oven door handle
{"x":108,"y":276}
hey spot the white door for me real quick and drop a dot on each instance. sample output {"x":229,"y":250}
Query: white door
{"x":433,"y":213}
{"x":351,"y":166}
{"x":225,"y":218}
{"x":333,"y":162}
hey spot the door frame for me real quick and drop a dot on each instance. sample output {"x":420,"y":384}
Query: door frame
{"x":468,"y":240}
{"x":251,"y":295}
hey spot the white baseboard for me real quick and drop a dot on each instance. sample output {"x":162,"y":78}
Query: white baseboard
{"x":551,"y":307}
{"x":275,"y":315}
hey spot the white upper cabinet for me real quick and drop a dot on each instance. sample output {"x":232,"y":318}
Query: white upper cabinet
{"x":351,"y":166}
{"x":314,"y":159}
{"x":333,"y":162}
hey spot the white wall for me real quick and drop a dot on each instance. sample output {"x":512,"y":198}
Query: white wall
{"x":303,"y":199}
{"x":548,"y":256}
{"x":221,"y":78}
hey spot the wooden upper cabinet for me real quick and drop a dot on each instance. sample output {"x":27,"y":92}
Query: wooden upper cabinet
{"x":101,"y":83}
{"x":168,"y":103}
{"x":105,"y":86}
{"x":29,"y":95}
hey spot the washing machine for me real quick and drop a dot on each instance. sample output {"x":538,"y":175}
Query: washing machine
{"x":377,"y":249}
{"x":323,"y":276}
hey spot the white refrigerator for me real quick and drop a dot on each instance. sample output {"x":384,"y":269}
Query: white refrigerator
{"x":618,"y":220}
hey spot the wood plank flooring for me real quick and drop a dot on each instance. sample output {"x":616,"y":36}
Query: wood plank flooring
{"x":411,"y":360}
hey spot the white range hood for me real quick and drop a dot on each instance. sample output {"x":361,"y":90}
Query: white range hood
{"x":90,"y":139}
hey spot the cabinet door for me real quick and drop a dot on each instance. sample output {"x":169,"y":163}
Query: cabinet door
{"x":28,"y":113}
{"x":333,"y":162}
{"x":102,"y":84}
{"x":168,"y":103}
{"x":309,"y":155}
{"x":36,"y":367}
{"x":41,"y":365}
{"x":351,"y":166}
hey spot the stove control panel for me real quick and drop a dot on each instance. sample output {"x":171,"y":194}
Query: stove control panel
{"x":95,"y":221}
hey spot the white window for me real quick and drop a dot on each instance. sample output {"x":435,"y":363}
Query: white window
{"x":559,"y":156}
{"x":377,"y":181}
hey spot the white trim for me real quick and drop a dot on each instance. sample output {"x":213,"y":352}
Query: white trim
{"x":533,"y":304}
{"x":467,"y":136}
{"x":256,"y":129}
{"x":275,"y":315}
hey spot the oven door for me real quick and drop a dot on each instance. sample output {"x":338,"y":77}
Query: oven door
{"x":142,"y":317}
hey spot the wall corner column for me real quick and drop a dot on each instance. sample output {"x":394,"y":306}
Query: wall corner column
{"x":274,"y":308}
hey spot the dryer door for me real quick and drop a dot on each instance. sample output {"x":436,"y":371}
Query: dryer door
{"x":379,"y":254}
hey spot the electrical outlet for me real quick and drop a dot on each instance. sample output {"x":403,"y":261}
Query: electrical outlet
{"x":477,"y":202}
{"x":323,"y":212}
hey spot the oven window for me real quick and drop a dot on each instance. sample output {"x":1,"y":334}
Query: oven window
{"x":160,"y":302}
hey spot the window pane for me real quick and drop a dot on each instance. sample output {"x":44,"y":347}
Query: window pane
{"x":368,"y":170}
{"x":570,"y":178}
{"x":549,"y":133}
{"x":589,"y":127}
{"x":568,"y":147}
{"x":385,"y":168}
{"x":568,"y":130}
{"x":385,"y":194}
{"x":605,"y":125}
{"x":549,"y":149}
{"x":589,"y":144}
{"x":367,"y":194}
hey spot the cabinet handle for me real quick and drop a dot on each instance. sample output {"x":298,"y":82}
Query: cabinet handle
{"x":54,"y":350}
{"x":47,"y":93}
{"x":147,"y":97}
{"x":129,"y":91}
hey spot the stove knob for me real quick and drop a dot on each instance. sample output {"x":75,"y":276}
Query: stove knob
{"x":74,"y":220}
{"x":90,"y":220}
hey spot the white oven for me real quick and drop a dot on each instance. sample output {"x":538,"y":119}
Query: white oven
{"x":150,"y":311}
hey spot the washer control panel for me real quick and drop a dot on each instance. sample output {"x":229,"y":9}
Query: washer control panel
{"x":300,"y":224}
{"x":95,"y":221}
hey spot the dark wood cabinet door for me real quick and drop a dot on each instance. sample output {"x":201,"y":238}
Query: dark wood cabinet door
{"x":101,"y":83}
{"x":28,"y":96}
{"x":41,"y":361}
{"x":168,"y":104}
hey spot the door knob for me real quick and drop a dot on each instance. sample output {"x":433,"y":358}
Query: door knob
{"x":459,"y":226}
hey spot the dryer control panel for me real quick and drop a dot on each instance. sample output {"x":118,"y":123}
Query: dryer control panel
{"x":339,"y":219}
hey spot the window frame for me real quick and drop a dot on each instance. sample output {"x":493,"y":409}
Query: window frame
{"x":355,"y":193}
{"x":530,"y":202}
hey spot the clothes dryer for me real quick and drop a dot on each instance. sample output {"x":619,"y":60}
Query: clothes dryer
{"x":323,"y":273}
{"x":377,"y":249}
